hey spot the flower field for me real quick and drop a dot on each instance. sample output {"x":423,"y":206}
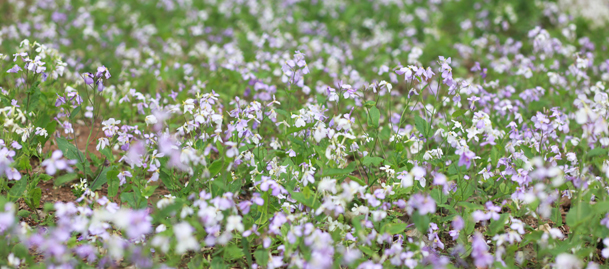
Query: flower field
{"x":304,"y":134}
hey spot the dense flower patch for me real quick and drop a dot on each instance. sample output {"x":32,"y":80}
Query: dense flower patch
{"x":303,"y":134}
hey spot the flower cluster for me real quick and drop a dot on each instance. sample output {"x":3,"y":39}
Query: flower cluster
{"x":315,"y":135}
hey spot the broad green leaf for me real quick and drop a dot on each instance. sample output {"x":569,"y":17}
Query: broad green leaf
{"x":421,"y":222}
{"x":74,"y":112}
{"x":65,"y":178}
{"x":113,"y":182}
{"x":18,"y":188}
{"x":358,"y":180}
{"x":596,"y":152}
{"x":497,"y":225}
{"x":494,"y":156}
{"x":232,"y":252}
{"x":35,"y":196}
{"x":375,"y":161}
{"x":215,"y":168}
{"x":578,"y":214}
{"x":375,"y":116}
{"x":102,"y":178}
{"x":394,"y":228}
{"x":69,"y":150}
{"x":421,"y":125}
{"x":262,"y":257}
{"x":329,"y":172}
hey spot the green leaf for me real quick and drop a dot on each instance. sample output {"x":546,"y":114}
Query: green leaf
{"x":69,"y":150}
{"x":556,"y":216}
{"x":494,"y":156}
{"x":232,"y":252}
{"x":458,"y":112}
{"x":578,"y":214}
{"x":262,"y":257}
{"x":129,"y":198}
{"x":358,"y":180}
{"x":304,"y":199}
{"x":596,"y":152}
{"x":215,"y":168}
{"x":74,"y":112}
{"x":370,"y":104}
{"x":335,"y":172}
{"x":23,"y":163}
{"x":102,"y":178}
{"x":113,"y":182}
{"x":394,"y":228}
{"x":369,"y":252}
{"x":421,"y":125}
{"x":65,"y":178}
{"x":497,"y":225}
{"x":166,"y":179}
{"x":375,"y":161}
{"x":421,"y":222}
{"x":329,"y":172}
{"x":35,"y":196}
{"x":20,"y":251}
{"x":375,"y":116}
{"x":108,"y":153}
{"x":18,"y":188}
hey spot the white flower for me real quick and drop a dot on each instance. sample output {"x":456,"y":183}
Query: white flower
{"x":183,"y":232}
{"x":567,"y":261}
{"x":161,"y":242}
{"x":103,"y":142}
{"x":41,"y":132}
{"x":13,"y":261}
{"x":161,"y":228}
{"x":234,"y":223}
{"x":390,"y":172}
{"x":151,"y":119}
{"x":360,"y":210}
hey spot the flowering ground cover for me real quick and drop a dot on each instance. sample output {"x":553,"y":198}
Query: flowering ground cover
{"x":304,"y":134}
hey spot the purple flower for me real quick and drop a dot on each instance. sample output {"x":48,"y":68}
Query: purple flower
{"x":56,"y":162}
{"x":458,"y":223}
{"x":15,"y":69}
{"x":88,"y":77}
{"x":425,"y":204}
{"x":482,"y":258}
{"x":86,"y":252}
{"x":466,"y":158}
{"x":122,"y":177}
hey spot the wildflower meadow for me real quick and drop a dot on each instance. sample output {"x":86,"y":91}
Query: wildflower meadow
{"x":304,"y":134}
